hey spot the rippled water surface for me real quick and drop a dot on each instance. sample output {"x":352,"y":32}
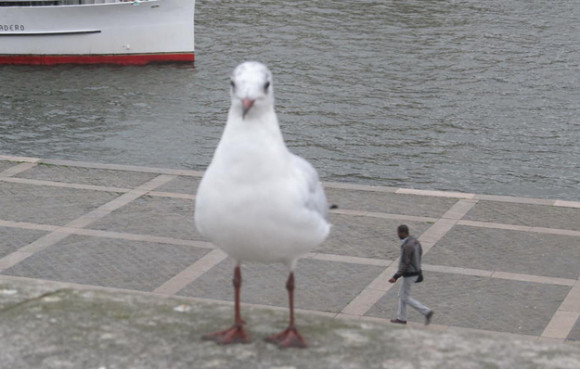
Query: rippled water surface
{"x":474,"y":96}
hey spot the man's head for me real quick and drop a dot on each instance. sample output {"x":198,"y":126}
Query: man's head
{"x":403,"y":231}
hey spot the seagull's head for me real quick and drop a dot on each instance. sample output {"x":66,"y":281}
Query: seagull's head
{"x":252,"y":88}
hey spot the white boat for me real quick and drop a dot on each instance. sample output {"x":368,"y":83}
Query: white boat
{"x":96,"y":31}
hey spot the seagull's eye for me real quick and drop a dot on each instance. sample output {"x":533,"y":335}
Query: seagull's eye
{"x":233,"y":84}
{"x":266,"y":85}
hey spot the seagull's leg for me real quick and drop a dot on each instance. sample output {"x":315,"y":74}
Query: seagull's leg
{"x":237,"y":333}
{"x":290,"y":337}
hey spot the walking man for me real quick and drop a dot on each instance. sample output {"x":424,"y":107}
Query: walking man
{"x":410,"y":270}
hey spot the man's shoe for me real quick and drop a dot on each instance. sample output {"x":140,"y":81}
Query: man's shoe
{"x":428,"y":317}
{"x":398,"y":321}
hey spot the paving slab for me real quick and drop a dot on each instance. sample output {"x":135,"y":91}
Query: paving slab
{"x":389,"y":203}
{"x":506,"y":244}
{"x":119,"y":330}
{"x":320,"y":285}
{"x":508,"y":251}
{"x":367,"y":236}
{"x":11,"y":239}
{"x":96,"y":177}
{"x":108,"y":262}
{"x":526,"y":215}
{"x":48,"y":205}
{"x":480,"y":303}
{"x":181,"y":184}
{"x":164,"y":217}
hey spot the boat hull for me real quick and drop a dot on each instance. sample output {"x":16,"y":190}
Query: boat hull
{"x":109,"y":33}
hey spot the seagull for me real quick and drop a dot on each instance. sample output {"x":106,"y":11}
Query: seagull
{"x":257,"y":201}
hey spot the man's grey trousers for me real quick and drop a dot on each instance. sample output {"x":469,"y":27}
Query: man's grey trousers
{"x":406,"y":299}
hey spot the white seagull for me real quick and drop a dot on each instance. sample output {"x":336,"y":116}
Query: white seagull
{"x":257,"y":201}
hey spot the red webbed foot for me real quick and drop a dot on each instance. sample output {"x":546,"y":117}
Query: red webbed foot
{"x":288,"y":338}
{"x":235,"y":334}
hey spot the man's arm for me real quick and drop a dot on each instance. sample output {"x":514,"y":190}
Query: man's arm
{"x":406,"y":258}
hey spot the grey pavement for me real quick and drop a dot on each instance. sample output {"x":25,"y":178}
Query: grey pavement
{"x":492,"y":263}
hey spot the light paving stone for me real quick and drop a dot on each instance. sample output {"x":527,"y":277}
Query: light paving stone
{"x":508,"y":251}
{"x":15,"y":170}
{"x":48,"y":205}
{"x":436,"y":232}
{"x":565,"y":232}
{"x":121,"y":167}
{"x":181,"y":184}
{"x":514,"y":199}
{"x":31,"y":226}
{"x":12,"y":239}
{"x":191,"y":273}
{"x":459,"y":209}
{"x":349,"y":259}
{"x":561,"y":324}
{"x":572,"y":301}
{"x":38,"y":182}
{"x":568,"y":204}
{"x":575,"y":332}
{"x":458,"y":195}
{"x":366,"y":236}
{"x":480,"y":303}
{"x":96,"y":177}
{"x":534,"y":278}
{"x":389,"y":202}
{"x":164,"y":217}
{"x":320,"y":285}
{"x":107,"y":262}
{"x":526,"y":215}
{"x":457,"y":270}
{"x":510,"y":227}
{"x":19,"y":159}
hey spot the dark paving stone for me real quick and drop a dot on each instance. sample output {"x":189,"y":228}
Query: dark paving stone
{"x":366,"y":236}
{"x":11,"y":239}
{"x":320,"y":285}
{"x":181,"y":184}
{"x":508,"y":251}
{"x":6,"y":164}
{"x":47,"y":205}
{"x":390,"y":203}
{"x":108,"y":262}
{"x":165,"y":217}
{"x":526,"y":215}
{"x":96,"y":177}
{"x":481,"y":303}
{"x":575,"y":332}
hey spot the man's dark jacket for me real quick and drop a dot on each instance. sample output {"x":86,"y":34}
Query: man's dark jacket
{"x":410,"y":261}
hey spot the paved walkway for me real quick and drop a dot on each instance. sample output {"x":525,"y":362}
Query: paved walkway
{"x":492,"y":263}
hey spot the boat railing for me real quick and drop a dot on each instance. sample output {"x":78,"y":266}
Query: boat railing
{"x":58,"y":2}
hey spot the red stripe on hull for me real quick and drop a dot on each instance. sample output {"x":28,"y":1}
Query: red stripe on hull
{"x":126,"y":59}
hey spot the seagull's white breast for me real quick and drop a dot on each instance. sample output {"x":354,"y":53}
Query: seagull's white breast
{"x":253,"y":202}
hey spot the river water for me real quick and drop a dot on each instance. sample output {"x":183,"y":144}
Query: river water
{"x":465,"y":95}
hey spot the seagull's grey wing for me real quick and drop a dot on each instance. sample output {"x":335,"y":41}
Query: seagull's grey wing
{"x":313,"y":196}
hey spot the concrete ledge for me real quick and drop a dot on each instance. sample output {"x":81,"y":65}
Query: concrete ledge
{"x":51,"y":325}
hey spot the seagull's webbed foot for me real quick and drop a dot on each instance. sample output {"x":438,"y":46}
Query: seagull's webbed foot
{"x":235,"y":334}
{"x":290,"y":337}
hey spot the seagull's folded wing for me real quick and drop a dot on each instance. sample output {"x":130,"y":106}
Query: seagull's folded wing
{"x":313,"y":193}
